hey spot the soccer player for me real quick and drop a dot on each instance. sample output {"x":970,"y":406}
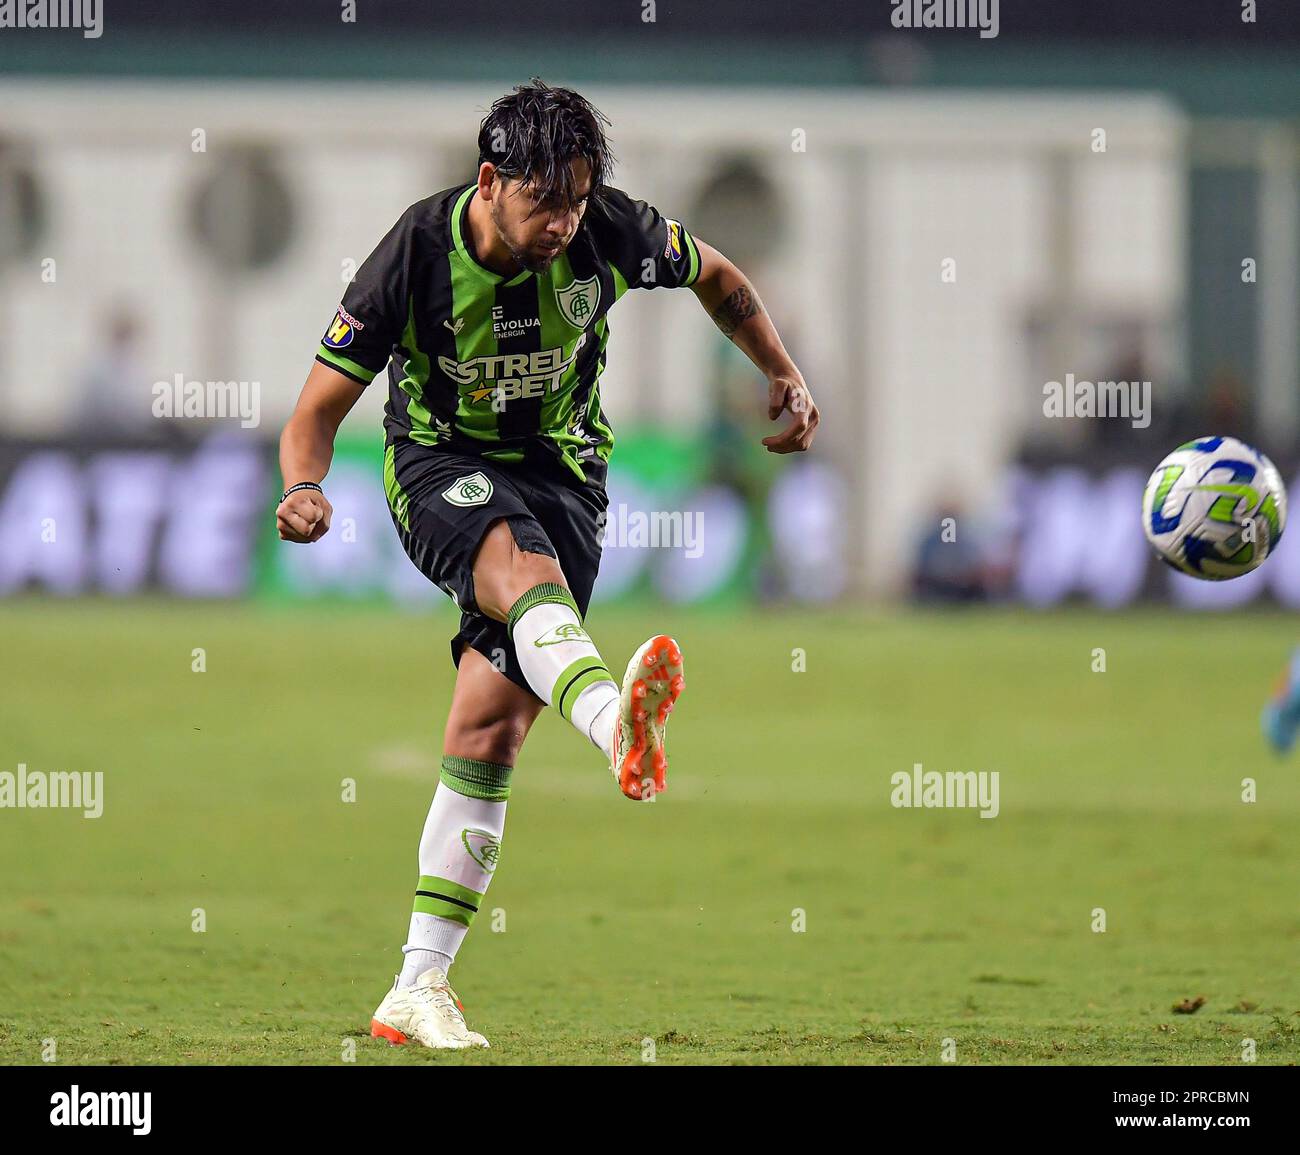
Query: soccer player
{"x":1281,"y":717}
{"x":489,"y":304}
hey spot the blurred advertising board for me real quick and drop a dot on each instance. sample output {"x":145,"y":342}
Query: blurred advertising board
{"x":195,"y":520}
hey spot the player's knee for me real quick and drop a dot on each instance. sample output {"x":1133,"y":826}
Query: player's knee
{"x":526,"y":570}
{"x":505,"y":568}
{"x":530,"y":569}
{"x":496,"y":740}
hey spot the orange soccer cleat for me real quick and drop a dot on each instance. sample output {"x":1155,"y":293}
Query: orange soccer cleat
{"x":651,"y":686}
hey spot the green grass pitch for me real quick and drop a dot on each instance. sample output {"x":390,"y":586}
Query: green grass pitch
{"x":618,"y":923}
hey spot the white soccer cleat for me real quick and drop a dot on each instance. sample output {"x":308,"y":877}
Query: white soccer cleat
{"x":651,"y":686}
{"x":428,"y":1013}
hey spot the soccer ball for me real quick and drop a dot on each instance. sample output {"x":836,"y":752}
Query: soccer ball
{"x":1214,"y":508}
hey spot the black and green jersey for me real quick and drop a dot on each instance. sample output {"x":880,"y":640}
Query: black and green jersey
{"x":508,"y":368}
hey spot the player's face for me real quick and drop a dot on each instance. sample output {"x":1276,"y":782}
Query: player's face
{"x":534,"y":228}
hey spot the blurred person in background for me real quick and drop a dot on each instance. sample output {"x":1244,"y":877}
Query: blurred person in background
{"x":950,"y":557}
{"x":1281,"y":717}
{"x":116,"y":394}
{"x":1228,"y":409}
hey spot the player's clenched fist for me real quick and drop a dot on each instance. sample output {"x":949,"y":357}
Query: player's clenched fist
{"x":791,"y":393}
{"x":303,"y":514}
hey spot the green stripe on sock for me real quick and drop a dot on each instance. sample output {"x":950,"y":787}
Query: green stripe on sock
{"x":446,"y":899}
{"x":577,"y":676}
{"x":489,"y":781}
{"x":542,"y":592}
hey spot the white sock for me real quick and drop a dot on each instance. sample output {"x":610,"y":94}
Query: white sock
{"x":415,"y":962}
{"x":561,"y":662}
{"x":595,"y":713}
{"x":458,"y":855}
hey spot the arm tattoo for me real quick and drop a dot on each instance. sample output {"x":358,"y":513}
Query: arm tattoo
{"x":736,"y":310}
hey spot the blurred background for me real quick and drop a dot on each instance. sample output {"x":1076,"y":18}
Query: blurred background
{"x":940,"y":222}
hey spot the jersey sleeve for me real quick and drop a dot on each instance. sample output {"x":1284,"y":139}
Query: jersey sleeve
{"x":373,"y":313}
{"x":650,"y":250}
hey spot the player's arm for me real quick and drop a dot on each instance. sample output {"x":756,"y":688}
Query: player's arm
{"x":734,"y":306}
{"x":356,"y":346}
{"x":307,"y":448}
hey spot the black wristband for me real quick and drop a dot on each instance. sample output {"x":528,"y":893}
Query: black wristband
{"x":301,"y":485}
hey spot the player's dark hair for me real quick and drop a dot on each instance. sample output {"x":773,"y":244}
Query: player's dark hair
{"x":535,"y":132}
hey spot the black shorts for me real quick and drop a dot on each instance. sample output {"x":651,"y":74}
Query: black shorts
{"x":443,"y":503}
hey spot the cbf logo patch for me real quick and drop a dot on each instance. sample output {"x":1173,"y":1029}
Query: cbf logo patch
{"x":673,"y":249}
{"x":482,"y":846}
{"x":342,"y":329}
{"x":578,"y":301}
{"x":476,"y":489}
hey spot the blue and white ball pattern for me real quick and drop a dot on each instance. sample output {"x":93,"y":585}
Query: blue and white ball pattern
{"x":1214,"y":508}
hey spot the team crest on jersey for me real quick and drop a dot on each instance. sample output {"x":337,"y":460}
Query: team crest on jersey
{"x":673,"y":249}
{"x":482,"y":846}
{"x":474,"y":489}
{"x":342,"y":329}
{"x":578,"y":301}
